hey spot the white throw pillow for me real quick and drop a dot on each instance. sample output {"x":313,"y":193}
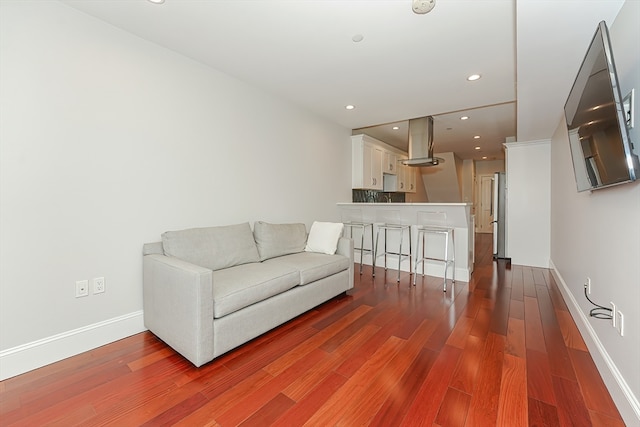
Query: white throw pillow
{"x":323,"y":237}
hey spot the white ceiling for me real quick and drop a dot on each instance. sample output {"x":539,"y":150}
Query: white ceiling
{"x":406,"y":66}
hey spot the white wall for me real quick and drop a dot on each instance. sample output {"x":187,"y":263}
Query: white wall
{"x":468,"y":180}
{"x":528,"y":203}
{"x":107,"y":140}
{"x":441,"y":182}
{"x":489,"y":167}
{"x":597,"y":235}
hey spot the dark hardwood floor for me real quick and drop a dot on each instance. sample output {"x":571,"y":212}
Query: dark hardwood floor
{"x":501,"y":350}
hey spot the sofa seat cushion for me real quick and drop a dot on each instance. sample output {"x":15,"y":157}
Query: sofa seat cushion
{"x":240,"y":286}
{"x":312,"y":265}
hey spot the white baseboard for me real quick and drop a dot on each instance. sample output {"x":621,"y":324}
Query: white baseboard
{"x":33,"y":355}
{"x":620,"y":391}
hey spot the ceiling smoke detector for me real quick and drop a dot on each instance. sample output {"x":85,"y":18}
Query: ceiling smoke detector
{"x":423,"y":6}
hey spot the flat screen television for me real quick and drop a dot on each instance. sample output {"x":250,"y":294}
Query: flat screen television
{"x":601,"y":149}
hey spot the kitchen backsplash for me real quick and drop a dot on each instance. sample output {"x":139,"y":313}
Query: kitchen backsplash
{"x":373,"y":196}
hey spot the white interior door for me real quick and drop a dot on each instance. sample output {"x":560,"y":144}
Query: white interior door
{"x":485,"y":211}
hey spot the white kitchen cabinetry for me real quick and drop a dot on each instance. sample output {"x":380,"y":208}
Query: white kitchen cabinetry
{"x":378,"y":166}
{"x":367,"y":158}
{"x":390,"y":165}
{"x":406,"y":179}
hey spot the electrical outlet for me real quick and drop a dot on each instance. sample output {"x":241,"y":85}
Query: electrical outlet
{"x":588,"y":285}
{"x":620,"y":322}
{"x":613,"y":314}
{"x":98,"y":285}
{"x":82,"y":288}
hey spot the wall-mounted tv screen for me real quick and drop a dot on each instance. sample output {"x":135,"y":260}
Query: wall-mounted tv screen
{"x":601,"y":150}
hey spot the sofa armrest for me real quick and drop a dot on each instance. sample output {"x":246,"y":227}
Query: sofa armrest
{"x":345,"y":247}
{"x":178,"y":305}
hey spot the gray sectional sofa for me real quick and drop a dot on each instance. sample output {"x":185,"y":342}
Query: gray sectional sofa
{"x":209,"y":290}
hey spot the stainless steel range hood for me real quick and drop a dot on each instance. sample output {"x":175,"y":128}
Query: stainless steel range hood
{"x":421,"y":143}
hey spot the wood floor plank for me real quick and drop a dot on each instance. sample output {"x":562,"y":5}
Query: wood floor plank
{"x":517,"y":283}
{"x":516,"y":309}
{"x":347,"y":396}
{"x":515,"y":344}
{"x":400,"y":399}
{"x":570,"y":332}
{"x":311,"y":402}
{"x":269,"y":412}
{"x":458,"y":337}
{"x":500,"y":312}
{"x":308,"y":380}
{"x":177,"y":412}
{"x":596,"y":396}
{"x":539,"y":276}
{"x":534,"y":336}
{"x":149,"y":359}
{"x":355,"y":361}
{"x":258,"y":397}
{"x":528,"y":282}
{"x":556,"y":296}
{"x":481,"y":324}
{"x":483,"y":409}
{"x":265,"y":352}
{"x":425,"y":406}
{"x":558,"y":352}
{"x":512,"y":404}
{"x":542,"y":414}
{"x":308,"y":345}
{"x":139,"y":383}
{"x":466,"y":372}
{"x":388,"y":378}
{"x":220,"y":402}
{"x":601,"y":420}
{"x":539,"y":378}
{"x":572,"y":410}
{"x":454,"y":408}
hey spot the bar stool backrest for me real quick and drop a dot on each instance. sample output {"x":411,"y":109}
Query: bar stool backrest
{"x":437,"y":219}
{"x":391,"y":217}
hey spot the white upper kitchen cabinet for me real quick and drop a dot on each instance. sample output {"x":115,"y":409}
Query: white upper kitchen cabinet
{"x":367,"y":158}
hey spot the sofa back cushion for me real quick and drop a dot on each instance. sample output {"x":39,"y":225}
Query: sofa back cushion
{"x":275,"y":240}
{"x":212,"y":247}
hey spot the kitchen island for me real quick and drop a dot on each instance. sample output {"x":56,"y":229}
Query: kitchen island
{"x":458,"y":216}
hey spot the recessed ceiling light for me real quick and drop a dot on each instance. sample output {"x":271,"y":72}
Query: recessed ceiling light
{"x":357,"y":38}
{"x":477,"y":148}
{"x":474,"y":77}
{"x":350,"y":107}
{"x":157,"y":1}
{"x":464,"y":118}
{"x":395,"y":128}
{"x":484,"y":157}
{"x":476,"y":137}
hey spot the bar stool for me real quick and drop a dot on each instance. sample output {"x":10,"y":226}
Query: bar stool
{"x":352,"y":218}
{"x":435,"y":224}
{"x":389,"y":221}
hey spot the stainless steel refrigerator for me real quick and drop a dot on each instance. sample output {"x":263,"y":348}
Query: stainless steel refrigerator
{"x":499,"y":204}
